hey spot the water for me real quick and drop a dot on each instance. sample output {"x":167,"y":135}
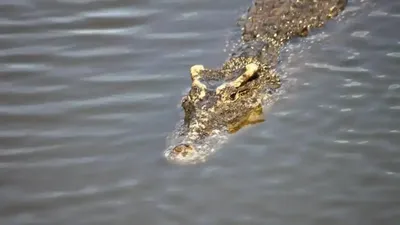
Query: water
{"x":89,"y":92}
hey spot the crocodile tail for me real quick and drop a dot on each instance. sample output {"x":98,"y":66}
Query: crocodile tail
{"x":281,"y":20}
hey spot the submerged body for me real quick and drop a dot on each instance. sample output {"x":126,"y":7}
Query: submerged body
{"x":230,"y":97}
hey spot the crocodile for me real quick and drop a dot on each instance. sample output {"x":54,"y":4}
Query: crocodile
{"x":225,"y":99}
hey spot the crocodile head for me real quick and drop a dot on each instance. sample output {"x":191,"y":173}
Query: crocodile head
{"x":219,"y":101}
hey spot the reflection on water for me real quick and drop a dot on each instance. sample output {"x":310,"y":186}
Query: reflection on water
{"x":89,"y":92}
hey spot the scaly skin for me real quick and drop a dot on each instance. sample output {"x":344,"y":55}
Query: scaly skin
{"x":230,"y":97}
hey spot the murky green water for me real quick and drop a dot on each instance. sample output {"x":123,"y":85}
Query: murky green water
{"x":89,"y":92}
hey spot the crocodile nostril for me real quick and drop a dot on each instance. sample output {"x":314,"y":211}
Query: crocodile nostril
{"x":182,"y":150}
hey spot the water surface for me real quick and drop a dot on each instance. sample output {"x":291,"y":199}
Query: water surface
{"x":90,"y":90}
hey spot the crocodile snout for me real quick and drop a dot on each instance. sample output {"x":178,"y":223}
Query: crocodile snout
{"x":182,"y":153}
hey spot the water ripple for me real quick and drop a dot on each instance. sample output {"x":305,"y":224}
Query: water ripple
{"x":89,"y":190}
{"x":89,"y":91}
{"x":336,"y":68}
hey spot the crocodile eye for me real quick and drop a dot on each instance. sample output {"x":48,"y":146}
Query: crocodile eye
{"x":233,"y":96}
{"x":236,"y":95}
{"x":184,"y":99}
